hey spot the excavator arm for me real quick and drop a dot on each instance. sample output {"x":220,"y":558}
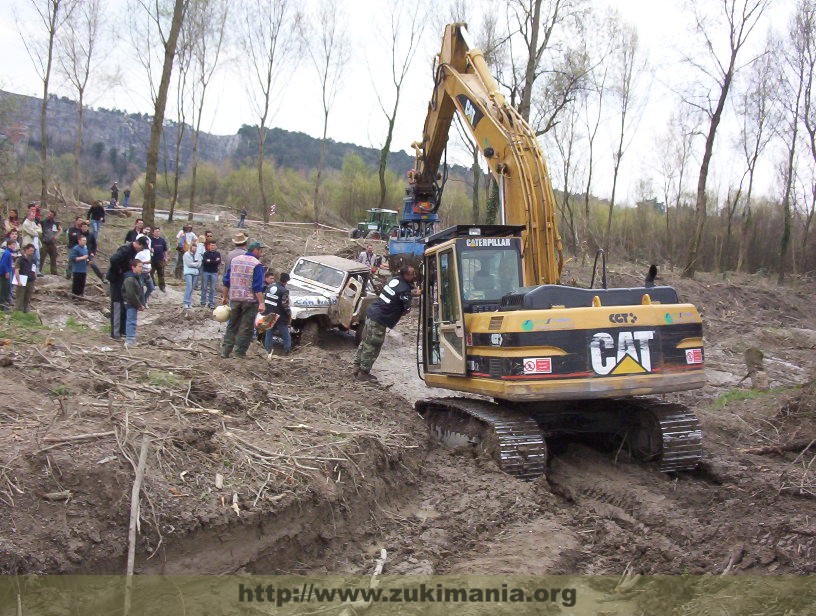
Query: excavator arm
{"x":464,"y":84}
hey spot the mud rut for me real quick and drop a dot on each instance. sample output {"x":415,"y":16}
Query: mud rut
{"x":591,"y":514}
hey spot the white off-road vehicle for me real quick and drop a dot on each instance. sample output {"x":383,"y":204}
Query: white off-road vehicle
{"x":328,"y":292}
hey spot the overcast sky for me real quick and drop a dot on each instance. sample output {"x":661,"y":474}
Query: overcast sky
{"x":663,"y":26}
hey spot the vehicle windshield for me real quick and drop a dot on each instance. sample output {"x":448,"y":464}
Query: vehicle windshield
{"x":319,"y":273}
{"x":489,"y":274}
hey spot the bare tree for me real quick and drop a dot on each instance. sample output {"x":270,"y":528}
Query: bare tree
{"x":51,"y":14}
{"x":77,"y":47}
{"x":184,"y":93}
{"x":329,"y":52}
{"x":806,"y":23}
{"x":268,"y":38}
{"x":544,"y":30}
{"x":566,"y":137}
{"x":740,"y":18}
{"x":152,"y":34}
{"x":208,"y":20}
{"x":674,"y":150}
{"x":628,"y":66}
{"x":407,"y":23}
{"x":756,"y":110}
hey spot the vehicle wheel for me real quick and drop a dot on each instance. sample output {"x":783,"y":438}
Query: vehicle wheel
{"x":356,"y":233}
{"x":375,"y":235}
{"x":310,"y":333}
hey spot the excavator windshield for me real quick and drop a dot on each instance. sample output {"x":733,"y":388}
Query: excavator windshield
{"x":489,"y":273}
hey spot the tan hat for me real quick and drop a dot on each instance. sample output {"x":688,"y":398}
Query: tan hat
{"x":239,"y":239}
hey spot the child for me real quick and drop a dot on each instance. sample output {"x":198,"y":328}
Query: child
{"x":133,"y":294}
{"x":78,"y":259}
{"x":145,"y":255}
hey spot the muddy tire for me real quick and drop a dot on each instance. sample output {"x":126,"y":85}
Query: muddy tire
{"x":356,"y":233}
{"x":374,"y":235}
{"x":310,"y":333}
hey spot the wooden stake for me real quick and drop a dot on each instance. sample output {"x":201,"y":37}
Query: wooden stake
{"x":134,"y":517}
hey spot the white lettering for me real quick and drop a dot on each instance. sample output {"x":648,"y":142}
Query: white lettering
{"x":645,"y":354}
{"x":600,"y":364}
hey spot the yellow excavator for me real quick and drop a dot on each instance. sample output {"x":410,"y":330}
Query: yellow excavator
{"x":545,"y":360}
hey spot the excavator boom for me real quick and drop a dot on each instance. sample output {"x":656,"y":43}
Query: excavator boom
{"x":463,"y":83}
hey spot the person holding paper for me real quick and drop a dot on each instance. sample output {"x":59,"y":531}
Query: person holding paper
{"x":24,"y":277}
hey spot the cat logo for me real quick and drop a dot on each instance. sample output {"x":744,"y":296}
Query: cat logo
{"x":631,"y":354}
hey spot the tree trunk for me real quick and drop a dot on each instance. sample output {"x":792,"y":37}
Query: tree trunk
{"x":320,"y":164}
{"x":149,"y":207}
{"x":532,"y":62}
{"x":78,"y":144}
{"x":44,"y":111}
{"x":261,"y":187}
{"x":384,"y":154}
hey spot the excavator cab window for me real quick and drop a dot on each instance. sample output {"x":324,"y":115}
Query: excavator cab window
{"x":488,"y":274}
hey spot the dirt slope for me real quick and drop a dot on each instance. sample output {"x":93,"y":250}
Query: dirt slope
{"x":325,"y":471}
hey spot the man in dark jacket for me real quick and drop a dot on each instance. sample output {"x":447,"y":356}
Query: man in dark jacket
{"x":120,"y":264}
{"x":51,"y":230}
{"x":277,"y":301}
{"x":159,"y":260}
{"x":134,"y":299}
{"x":135,"y":231}
{"x":91,"y":250}
{"x":25,"y":272}
{"x":96,"y":214}
{"x":393,"y":302}
{"x":73,"y":234}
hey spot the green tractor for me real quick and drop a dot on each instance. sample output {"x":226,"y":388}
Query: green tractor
{"x":380,"y":224}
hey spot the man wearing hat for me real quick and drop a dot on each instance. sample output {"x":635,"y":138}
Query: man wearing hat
{"x":240,"y":240}
{"x":243,"y":289}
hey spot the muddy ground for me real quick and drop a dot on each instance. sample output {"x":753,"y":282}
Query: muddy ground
{"x":289,"y":466}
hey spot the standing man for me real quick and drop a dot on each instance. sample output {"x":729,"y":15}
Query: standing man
{"x":96,"y":214}
{"x":78,"y":260}
{"x":240,"y":240}
{"x":243,"y":289}
{"x":73,"y":234}
{"x":126,"y":202}
{"x":243,"y":214}
{"x":114,"y":194}
{"x":159,"y":260}
{"x":120,"y":264}
{"x":51,"y":230}
{"x":91,"y":244}
{"x":31,"y":232}
{"x":136,"y":231}
{"x":367,"y":257}
{"x":25,"y":274}
{"x":393,"y":302}
{"x":277,"y":298}
{"x":134,"y":299}
{"x":210,"y":263}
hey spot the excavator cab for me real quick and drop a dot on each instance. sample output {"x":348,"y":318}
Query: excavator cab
{"x":467,"y":270}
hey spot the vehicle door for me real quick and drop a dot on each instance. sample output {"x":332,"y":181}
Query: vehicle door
{"x":348,"y":301}
{"x":451,"y":322}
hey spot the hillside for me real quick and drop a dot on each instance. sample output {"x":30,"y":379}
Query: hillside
{"x":117,"y":136}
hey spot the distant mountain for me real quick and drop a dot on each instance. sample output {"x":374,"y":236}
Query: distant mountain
{"x":122,"y":138}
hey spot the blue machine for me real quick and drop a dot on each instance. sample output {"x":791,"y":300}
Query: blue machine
{"x":418,"y":221}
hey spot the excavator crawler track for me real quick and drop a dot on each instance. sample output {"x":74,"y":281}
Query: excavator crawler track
{"x":680,"y":437}
{"x":654,"y":431}
{"x":514,"y":438}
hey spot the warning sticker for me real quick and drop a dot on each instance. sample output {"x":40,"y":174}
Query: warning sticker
{"x":694,"y":356}
{"x":538,"y":365}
